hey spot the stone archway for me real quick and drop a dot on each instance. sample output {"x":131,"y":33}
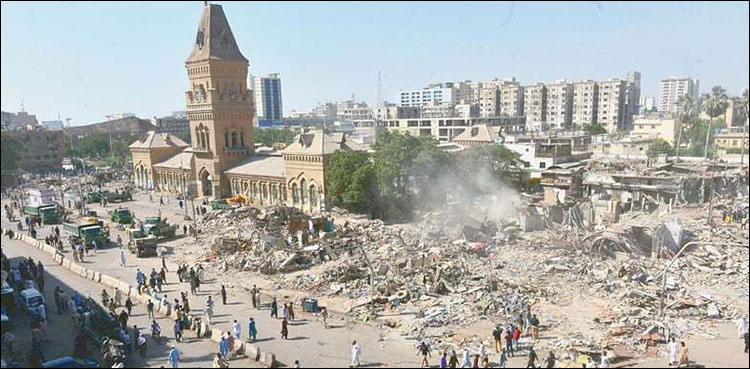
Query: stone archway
{"x":205,"y":180}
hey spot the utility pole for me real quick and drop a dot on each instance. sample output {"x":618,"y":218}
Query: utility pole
{"x":711,"y":204}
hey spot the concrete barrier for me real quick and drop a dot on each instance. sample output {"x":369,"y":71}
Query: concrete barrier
{"x":252,"y":352}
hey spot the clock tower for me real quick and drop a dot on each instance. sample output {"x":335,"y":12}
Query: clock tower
{"x":219,"y":104}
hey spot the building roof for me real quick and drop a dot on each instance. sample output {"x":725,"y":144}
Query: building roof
{"x":157,"y":140}
{"x":130,"y":125}
{"x":214,"y":39}
{"x":271,"y":165}
{"x":315,"y":142}
{"x":183,"y":160}
{"x":480,"y":133}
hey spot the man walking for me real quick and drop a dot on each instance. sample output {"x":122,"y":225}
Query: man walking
{"x":122,"y":258}
{"x":356,"y":355}
{"x":252,"y":330}
{"x":223,"y":295}
{"x":174,"y":357}
{"x":274,"y":309}
{"x":237,"y":330}
{"x":177,"y":331}
{"x":498,"y":335}
{"x":253,"y":296}
{"x":424,"y":350}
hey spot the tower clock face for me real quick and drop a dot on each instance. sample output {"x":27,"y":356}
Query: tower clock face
{"x":232,"y":94}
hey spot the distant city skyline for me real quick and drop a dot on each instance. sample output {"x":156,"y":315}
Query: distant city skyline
{"x":88,"y":60}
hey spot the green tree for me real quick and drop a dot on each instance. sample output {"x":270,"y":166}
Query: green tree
{"x":715,"y":105}
{"x":272,"y":136}
{"x":595,"y":129}
{"x":659,"y":147}
{"x":350,"y":177}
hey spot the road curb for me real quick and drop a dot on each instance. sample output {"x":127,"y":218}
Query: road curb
{"x":240,"y":348}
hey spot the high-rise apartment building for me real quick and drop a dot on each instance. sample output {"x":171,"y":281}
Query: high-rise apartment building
{"x":489,"y":100}
{"x":535,"y":106}
{"x":511,"y":99}
{"x":559,"y":109}
{"x":672,"y":88}
{"x":585,"y":102}
{"x":267,"y":92}
{"x":611,"y":104}
{"x":424,"y":96}
{"x":633,"y":97}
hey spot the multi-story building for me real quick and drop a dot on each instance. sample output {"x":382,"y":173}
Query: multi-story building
{"x":466,"y":110}
{"x":435,"y":110}
{"x":489,"y":100}
{"x":656,"y":125}
{"x":633,"y":92}
{"x":445,"y":129}
{"x":173,"y":124}
{"x":267,"y":91}
{"x":425,"y":96}
{"x":352,"y":110}
{"x":585,"y":103}
{"x":43,"y":150}
{"x":511,"y":99}
{"x":392,"y":111}
{"x":535,"y":106}
{"x":647,"y":103}
{"x":611,"y":104}
{"x":559,"y":109}
{"x":22,"y":119}
{"x":53,"y":125}
{"x":672,"y":88}
{"x":466,"y":92}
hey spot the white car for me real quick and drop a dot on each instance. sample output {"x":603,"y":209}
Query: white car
{"x":30,"y":299}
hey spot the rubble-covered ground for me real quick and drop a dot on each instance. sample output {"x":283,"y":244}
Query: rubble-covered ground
{"x":450,"y":280}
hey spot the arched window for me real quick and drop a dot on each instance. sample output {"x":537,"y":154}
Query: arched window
{"x":303,"y":189}
{"x":234,"y":140}
{"x":242,"y":138}
{"x":265,"y":191}
{"x":313,"y":196}
{"x":295,"y":194}
{"x":226,"y":139}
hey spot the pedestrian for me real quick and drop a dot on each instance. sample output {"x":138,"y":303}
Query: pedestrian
{"x":550,"y":361}
{"x":746,"y":336}
{"x":498,"y":335}
{"x":741,"y":326}
{"x":444,"y":360}
{"x":42,"y":310}
{"x":274,"y":309}
{"x":210,"y":307}
{"x":237,"y":330}
{"x":164,"y":263}
{"x":96,"y":248}
{"x":177,"y":331}
{"x":356,"y":355}
{"x":119,"y":241}
{"x":516,"y":337}
{"x":253,"y":294}
{"x":605,"y":360}
{"x":136,"y":335}
{"x":142,"y":346}
{"x":155,"y":330}
{"x":150,"y":309}
{"x":324,"y":314}
{"x":174,"y":356}
{"x":503,"y":359}
{"x":224,"y":345}
{"x":117,"y":297}
{"x":129,"y":306}
{"x":532,"y":359}
{"x":534,"y":327}
{"x":284,"y":329}
{"x":684,"y":355}
{"x":223,"y":295}
{"x":291,"y":311}
{"x":486,"y":363}
{"x":424,"y":350}
{"x":220,"y":362}
{"x":453,"y":363}
{"x":252,"y":330}
{"x":122,"y":259}
{"x":296,"y":364}
{"x":674,"y":348}
{"x":476,"y":362}
{"x":466,"y":358}
{"x":184,"y":230}
{"x":285,"y":312}
{"x":509,"y":341}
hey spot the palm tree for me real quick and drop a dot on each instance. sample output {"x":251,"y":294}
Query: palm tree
{"x":743,"y":101}
{"x":714,"y":106}
{"x":687,"y":110}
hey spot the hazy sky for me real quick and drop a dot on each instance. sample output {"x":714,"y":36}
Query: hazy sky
{"x":85,"y":60}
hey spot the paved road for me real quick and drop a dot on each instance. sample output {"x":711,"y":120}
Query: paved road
{"x":308,"y":341}
{"x":194,"y":353}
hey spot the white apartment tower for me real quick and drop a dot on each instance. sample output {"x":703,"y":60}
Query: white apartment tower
{"x":670,"y":90}
{"x":611,"y":104}
{"x":559,"y":113}
{"x":585,"y":103}
{"x":423,"y":97}
{"x":535,"y":106}
{"x":511,"y":99}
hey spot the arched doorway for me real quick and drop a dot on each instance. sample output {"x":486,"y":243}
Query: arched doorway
{"x":206,"y":187}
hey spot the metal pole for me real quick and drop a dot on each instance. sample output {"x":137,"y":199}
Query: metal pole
{"x":711,"y":189}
